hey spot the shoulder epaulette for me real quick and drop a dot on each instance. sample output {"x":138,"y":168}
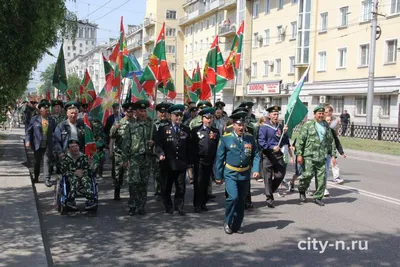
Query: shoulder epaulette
{"x":227,"y":134}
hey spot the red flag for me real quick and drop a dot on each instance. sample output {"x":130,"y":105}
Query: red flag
{"x":114,"y":55}
{"x":90,"y":144}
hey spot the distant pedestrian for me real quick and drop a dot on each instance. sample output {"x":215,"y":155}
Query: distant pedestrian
{"x":344,"y":120}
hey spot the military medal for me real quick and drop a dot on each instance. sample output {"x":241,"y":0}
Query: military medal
{"x":211,"y":135}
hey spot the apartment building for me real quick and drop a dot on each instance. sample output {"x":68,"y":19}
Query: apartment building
{"x":334,"y":37}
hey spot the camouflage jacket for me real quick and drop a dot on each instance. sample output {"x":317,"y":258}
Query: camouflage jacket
{"x":98,"y":130}
{"x":134,"y":141}
{"x":309,"y":145}
{"x":160,"y":123}
{"x":117,"y":133}
{"x":195,"y":122}
{"x":59,"y":118}
{"x":68,"y":165}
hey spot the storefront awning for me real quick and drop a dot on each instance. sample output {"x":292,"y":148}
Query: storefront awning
{"x":361,"y":91}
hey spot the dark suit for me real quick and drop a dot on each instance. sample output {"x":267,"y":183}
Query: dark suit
{"x":41,"y":144}
{"x":204,"y":143}
{"x":175,"y":147}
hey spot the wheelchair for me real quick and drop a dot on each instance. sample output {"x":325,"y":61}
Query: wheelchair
{"x":61,"y":195}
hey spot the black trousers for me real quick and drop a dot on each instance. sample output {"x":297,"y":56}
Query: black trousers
{"x":201,"y":181}
{"x":274,"y":170}
{"x":177,"y":177}
{"x":41,"y":155}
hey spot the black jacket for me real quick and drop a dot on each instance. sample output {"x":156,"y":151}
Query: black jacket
{"x":174,"y":146}
{"x":203,"y":144}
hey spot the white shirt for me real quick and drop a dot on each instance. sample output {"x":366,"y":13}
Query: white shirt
{"x":74,"y":131}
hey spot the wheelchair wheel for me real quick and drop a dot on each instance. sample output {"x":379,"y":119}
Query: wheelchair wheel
{"x":57,"y":195}
{"x":63,"y":209}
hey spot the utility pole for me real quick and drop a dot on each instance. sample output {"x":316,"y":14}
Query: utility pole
{"x":370,"y":93}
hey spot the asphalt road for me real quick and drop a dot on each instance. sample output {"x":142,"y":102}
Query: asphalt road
{"x":365,"y":211}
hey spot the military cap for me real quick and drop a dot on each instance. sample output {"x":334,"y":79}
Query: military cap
{"x":115,"y":105}
{"x":44,"y":103}
{"x":33,"y":102}
{"x":319,"y":108}
{"x":192,"y":109}
{"x":191,"y":102}
{"x":162,"y":107}
{"x":177,"y":108}
{"x":129,"y":106}
{"x":142,"y":104}
{"x":71,"y":104}
{"x":204,"y":104}
{"x":42,"y":100}
{"x":219,"y":104}
{"x":57,"y":102}
{"x":207,"y":112}
{"x":247,"y":105}
{"x":239,"y":117}
{"x":274,"y":109}
{"x":239,"y":109}
{"x":73,"y":141}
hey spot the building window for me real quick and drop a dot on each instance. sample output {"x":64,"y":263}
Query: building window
{"x":266,"y":39}
{"x":279,"y":4}
{"x":201,"y":25}
{"x":201,"y":45}
{"x":256,"y":9}
{"x":364,"y":55}
{"x":343,"y":16}
{"x":267,"y":7}
{"x":171,"y":14}
{"x":366,"y":10}
{"x":92,"y":42}
{"x":80,"y":51}
{"x":385,"y":105}
{"x":80,"y":45}
{"x":254,"y":69}
{"x":266,"y":65}
{"x":191,"y":30}
{"x":322,"y":61}
{"x":323,"y":26}
{"x":170,"y":32}
{"x":337,"y":103}
{"x":255,"y":41}
{"x":186,"y":31}
{"x":342,"y":58}
{"x":171,"y":66}
{"x":279,"y":28}
{"x":69,"y":54}
{"x":361,"y":105}
{"x":291,"y":65}
{"x":80,"y":33}
{"x":391,"y":51}
{"x":213,"y":21}
{"x":294,"y":2}
{"x":278,"y":66}
{"x":195,"y":46}
{"x":207,"y":24}
{"x":394,"y":6}
{"x":186,"y":49}
{"x":276,"y":101}
{"x":190,"y":48}
{"x":293,"y":27}
{"x":207,"y":43}
{"x":303,"y":34}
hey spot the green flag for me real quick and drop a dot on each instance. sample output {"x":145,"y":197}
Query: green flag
{"x":60,"y":75}
{"x":296,"y":111}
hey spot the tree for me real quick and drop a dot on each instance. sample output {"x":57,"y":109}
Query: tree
{"x":28,"y":29}
{"x":46,"y":78}
{"x":73,"y":85}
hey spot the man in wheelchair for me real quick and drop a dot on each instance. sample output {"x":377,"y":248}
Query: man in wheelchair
{"x":76,"y":169}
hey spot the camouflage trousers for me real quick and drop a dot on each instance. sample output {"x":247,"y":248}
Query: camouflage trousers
{"x":137,"y":179}
{"x":75,"y":182}
{"x":118,"y":172}
{"x":157,"y":177}
{"x":313,"y":169}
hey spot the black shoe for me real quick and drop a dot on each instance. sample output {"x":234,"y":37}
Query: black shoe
{"x":71,"y":205}
{"x":204,"y":208}
{"x":319,"y":202}
{"x":182,"y":212}
{"x":248,"y":206}
{"x":169,"y":211}
{"x":303,"y":197}
{"x":158,"y":198}
{"x":197,"y":209}
{"x":90,"y":204}
{"x":227,"y":229}
{"x":35,"y":180}
{"x":211,"y":196}
{"x":141,"y":212}
{"x":117,"y":194}
{"x":48,"y":183}
{"x":270,"y":202}
{"x":240,"y":232}
{"x":132,"y":211}
{"x":291,"y":186}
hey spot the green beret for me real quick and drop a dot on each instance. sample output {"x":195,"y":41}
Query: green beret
{"x":240,"y":109}
{"x":129,"y":106}
{"x":115,"y":105}
{"x":204,"y":104}
{"x":44,"y":104}
{"x":142,"y":104}
{"x":162,"y":107}
{"x":33,"y":102}
{"x":247,"y":105}
{"x":206,"y":112}
{"x":73,"y":141}
{"x":273,"y":109}
{"x":71,"y":104}
{"x":192,"y":109}
{"x":219,"y":104}
{"x":177,"y":108}
{"x":319,"y":108}
{"x":239,"y":117}
{"x":57,"y":102}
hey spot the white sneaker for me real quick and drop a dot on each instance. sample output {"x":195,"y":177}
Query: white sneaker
{"x":338,"y":181}
{"x":326,"y":193}
{"x":260,"y":180}
{"x":310,"y":193}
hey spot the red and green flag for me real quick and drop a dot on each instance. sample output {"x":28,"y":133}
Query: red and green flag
{"x":187,"y":88}
{"x":107,"y":67}
{"x":114,"y":54}
{"x":157,"y":70}
{"x":196,"y":79}
{"x":122,"y":44}
{"x":232,"y":62}
{"x":86,"y":89}
{"x":134,"y":91}
{"x":90,"y":144}
{"x":60,"y":76}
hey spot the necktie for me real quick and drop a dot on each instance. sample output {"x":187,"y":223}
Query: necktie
{"x":176,"y":129}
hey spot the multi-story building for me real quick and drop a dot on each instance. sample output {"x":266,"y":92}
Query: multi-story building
{"x":85,"y":40}
{"x":334,"y":37}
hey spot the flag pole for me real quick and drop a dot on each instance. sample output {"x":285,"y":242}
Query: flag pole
{"x":234,"y":93}
{"x":286,"y":122}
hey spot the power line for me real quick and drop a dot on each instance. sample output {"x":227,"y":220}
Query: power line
{"x":111,"y":11}
{"x":97,"y":9}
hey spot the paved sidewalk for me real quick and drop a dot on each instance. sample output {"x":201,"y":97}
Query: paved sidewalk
{"x":21,"y":242}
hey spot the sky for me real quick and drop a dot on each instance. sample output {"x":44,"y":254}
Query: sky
{"x":105,"y":13}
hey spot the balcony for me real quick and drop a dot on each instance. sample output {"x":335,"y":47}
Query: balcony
{"x":148,"y":22}
{"x":227,"y":30}
{"x":204,"y":11}
{"x":229,"y":4}
{"x":138,"y":44}
{"x":148,"y":39}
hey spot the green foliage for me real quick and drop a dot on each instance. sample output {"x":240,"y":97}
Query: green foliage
{"x":46,"y":78}
{"x":28,"y":29}
{"x":73,"y":84}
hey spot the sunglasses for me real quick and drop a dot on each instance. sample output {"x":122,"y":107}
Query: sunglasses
{"x":178,"y":114}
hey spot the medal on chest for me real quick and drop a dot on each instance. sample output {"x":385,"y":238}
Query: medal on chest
{"x":247,"y":149}
{"x":212,"y":135}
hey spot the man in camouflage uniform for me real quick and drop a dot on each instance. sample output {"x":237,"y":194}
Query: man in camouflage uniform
{"x":197,"y":121}
{"x":161,"y":121}
{"x":313,"y":145}
{"x":57,"y":113}
{"x":193,"y":114}
{"x":136,"y":150}
{"x":75,"y":166}
{"x":117,"y":134}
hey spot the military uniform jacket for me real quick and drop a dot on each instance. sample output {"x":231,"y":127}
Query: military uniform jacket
{"x":174,"y":146}
{"x":204,"y":144}
{"x":117,"y":133}
{"x":134,"y":140}
{"x":236,"y":160}
{"x":309,"y":145}
{"x":68,"y":165}
{"x":248,"y":130}
{"x":59,"y":118}
{"x":268,"y":137}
